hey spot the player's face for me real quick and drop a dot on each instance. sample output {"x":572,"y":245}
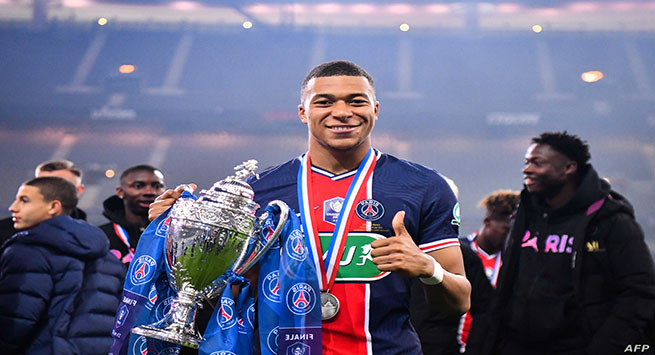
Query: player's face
{"x":545,"y":171}
{"x":340,"y":112}
{"x":29,"y":208}
{"x":497,"y":229}
{"x":66,"y":175}
{"x":139,"y":190}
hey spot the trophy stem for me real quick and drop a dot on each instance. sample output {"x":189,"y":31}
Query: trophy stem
{"x":178,"y":326}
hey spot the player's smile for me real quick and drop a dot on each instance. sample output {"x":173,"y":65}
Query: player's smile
{"x":340,"y":112}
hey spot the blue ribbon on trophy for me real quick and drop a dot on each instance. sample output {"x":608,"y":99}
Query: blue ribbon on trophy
{"x":230,"y":329}
{"x":200,"y":249}
{"x":288,"y":302}
{"x":146,"y":292}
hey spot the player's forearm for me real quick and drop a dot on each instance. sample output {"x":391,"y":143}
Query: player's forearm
{"x":451,"y":296}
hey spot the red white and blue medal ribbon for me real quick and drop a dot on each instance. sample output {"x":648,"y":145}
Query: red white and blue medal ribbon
{"x":123,"y":236}
{"x":330,"y":265}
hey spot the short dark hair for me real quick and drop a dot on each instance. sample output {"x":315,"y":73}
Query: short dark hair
{"x":336,"y":68}
{"x":570,"y":145}
{"x":500,"y":203}
{"x":55,"y":188}
{"x":140,"y":167}
{"x":55,"y":165}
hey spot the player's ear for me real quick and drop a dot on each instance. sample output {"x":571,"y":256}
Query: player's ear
{"x":54,"y":208}
{"x":302,"y":113}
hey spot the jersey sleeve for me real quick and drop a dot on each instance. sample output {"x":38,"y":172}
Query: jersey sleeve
{"x":440,"y":219}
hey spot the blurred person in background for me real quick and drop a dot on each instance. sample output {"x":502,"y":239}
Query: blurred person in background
{"x":487,"y":243}
{"x":577,"y":276}
{"x":127,"y":210}
{"x":61,"y":168}
{"x":462,"y":334}
{"x":59,"y":284}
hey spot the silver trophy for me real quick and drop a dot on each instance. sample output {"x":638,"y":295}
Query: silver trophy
{"x":207,"y":239}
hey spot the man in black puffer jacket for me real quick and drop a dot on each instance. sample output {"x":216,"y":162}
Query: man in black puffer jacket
{"x":59,"y":284}
{"x":577,"y":276}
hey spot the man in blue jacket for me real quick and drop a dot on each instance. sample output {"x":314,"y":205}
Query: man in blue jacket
{"x":59,"y":284}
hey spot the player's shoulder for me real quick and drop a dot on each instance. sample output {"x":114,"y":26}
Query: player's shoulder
{"x":282,"y":174}
{"x":407,"y":170}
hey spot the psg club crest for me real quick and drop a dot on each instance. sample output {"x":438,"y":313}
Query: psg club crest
{"x":226,"y":318}
{"x":143,"y":269}
{"x":163,"y":308}
{"x":301,"y":299}
{"x":152,"y":298}
{"x":271,"y":286}
{"x":369,"y":210}
{"x":295,"y":247}
{"x":162,"y":227}
{"x":140,"y":346}
{"x":271,"y":340}
{"x":331,"y":209}
{"x":250,"y":315}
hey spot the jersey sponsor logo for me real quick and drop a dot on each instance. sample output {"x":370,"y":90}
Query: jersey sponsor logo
{"x":225,"y":316}
{"x":301,"y":298}
{"x":271,"y":286}
{"x":143,"y":270}
{"x":162,"y":227}
{"x":331,"y":209}
{"x":356,"y":262}
{"x":369,"y":210}
{"x":298,"y":349}
{"x":295,"y":246}
{"x":163,"y":308}
{"x":456,"y":221}
{"x":271,"y":340}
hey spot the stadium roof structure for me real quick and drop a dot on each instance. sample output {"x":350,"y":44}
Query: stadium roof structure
{"x":331,"y":15}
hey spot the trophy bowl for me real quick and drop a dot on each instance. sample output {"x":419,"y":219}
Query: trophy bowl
{"x":208,"y":239}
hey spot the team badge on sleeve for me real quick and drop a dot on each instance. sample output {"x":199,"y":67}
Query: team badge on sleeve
{"x":301,"y":298}
{"x":143,"y":269}
{"x":369,"y":210}
{"x":456,"y":218}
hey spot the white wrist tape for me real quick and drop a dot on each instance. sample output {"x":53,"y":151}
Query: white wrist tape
{"x":437,"y":275}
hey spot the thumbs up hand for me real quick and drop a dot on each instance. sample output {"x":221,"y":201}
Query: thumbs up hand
{"x":399,"y":253}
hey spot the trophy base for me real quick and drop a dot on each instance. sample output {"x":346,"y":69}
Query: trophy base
{"x":171,"y":336}
{"x":178,"y":326}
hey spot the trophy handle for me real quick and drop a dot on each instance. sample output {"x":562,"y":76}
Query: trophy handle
{"x":284,"y":215}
